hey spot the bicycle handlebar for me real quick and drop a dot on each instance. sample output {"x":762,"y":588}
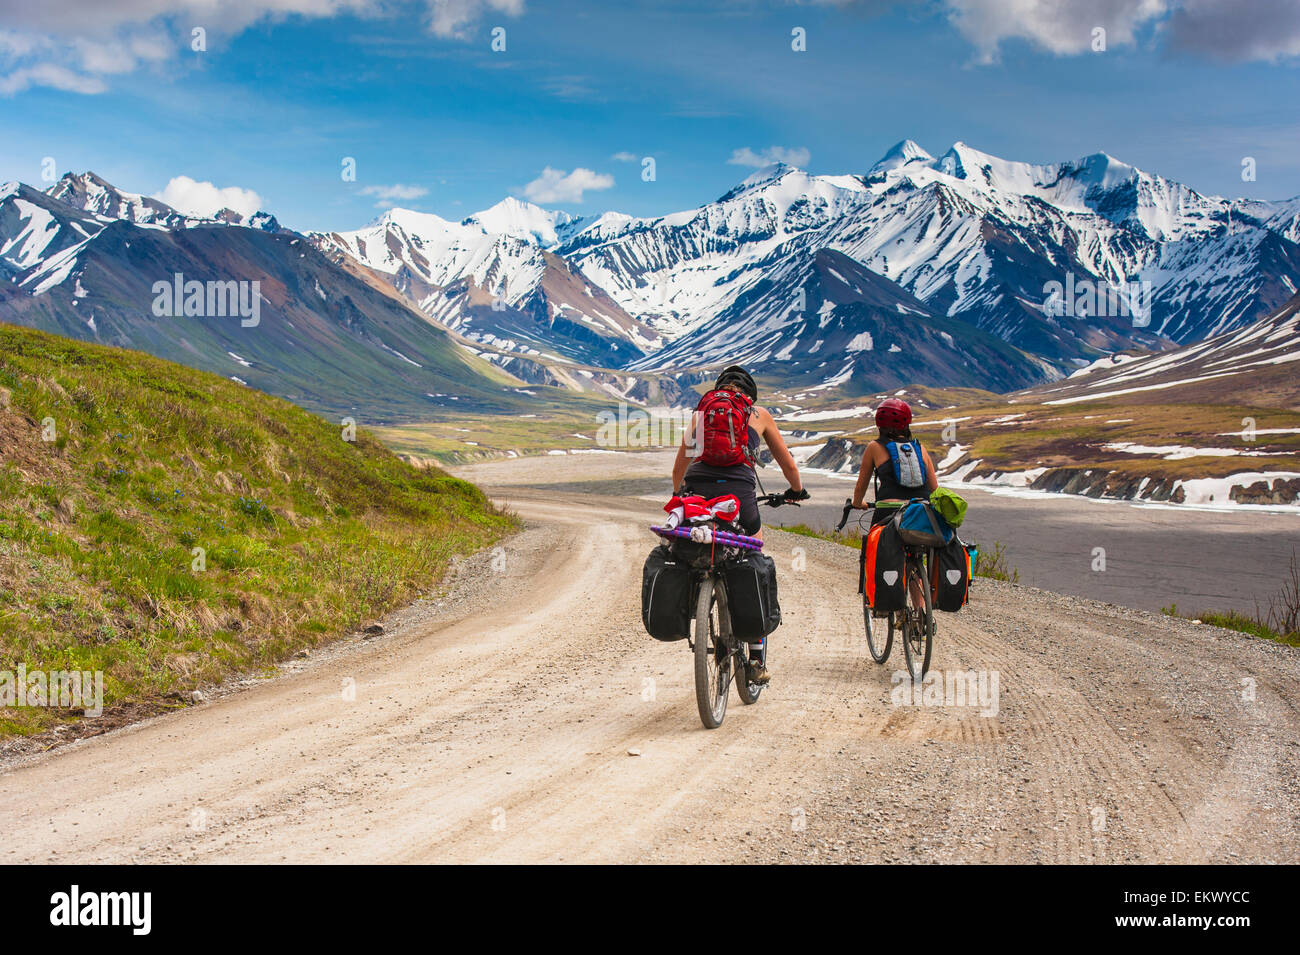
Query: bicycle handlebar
{"x":777,"y":500}
{"x":849,"y":507}
{"x":870,"y":505}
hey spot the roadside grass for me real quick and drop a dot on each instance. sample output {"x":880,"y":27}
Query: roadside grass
{"x":1279,"y":622}
{"x":1250,"y":625}
{"x":993,"y":564}
{"x":851,"y":537}
{"x":1242,"y":623}
{"x":169,"y":527}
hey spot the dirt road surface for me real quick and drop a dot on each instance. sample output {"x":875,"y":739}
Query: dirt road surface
{"x":522,"y":715}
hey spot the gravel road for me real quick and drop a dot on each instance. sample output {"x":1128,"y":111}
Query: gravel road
{"x":522,"y":715}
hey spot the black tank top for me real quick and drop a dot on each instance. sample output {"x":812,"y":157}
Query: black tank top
{"x":888,"y":488}
{"x":734,"y":472}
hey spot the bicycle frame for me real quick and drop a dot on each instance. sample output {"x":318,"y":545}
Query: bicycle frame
{"x":917,"y":560}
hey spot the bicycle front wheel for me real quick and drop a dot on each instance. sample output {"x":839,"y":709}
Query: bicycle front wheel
{"x":918,"y":620}
{"x":712,"y":654}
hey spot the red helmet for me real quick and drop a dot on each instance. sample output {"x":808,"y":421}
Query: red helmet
{"x":894,"y":414}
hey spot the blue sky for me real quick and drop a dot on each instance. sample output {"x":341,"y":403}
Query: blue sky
{"x":414,"y":93}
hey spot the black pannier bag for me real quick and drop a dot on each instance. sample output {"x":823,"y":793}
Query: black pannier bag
{"x":666,"y":596}
{"x":950,"y":573}
{"x":880,"y":574}
{"x":751,"y":595}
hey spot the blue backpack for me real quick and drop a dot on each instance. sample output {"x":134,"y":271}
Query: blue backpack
{"x":908,"y":462}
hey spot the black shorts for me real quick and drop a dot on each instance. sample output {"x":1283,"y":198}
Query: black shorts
{"x":707,"y":487}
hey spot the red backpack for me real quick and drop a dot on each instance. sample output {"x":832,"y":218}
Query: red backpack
{"x":723,"y":423}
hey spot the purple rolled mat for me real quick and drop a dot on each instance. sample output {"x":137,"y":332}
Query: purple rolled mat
{"x":722,"y":537}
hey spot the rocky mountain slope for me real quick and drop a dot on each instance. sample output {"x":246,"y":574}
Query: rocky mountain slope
{"x":824,"y":320}
{"x":1255,"y":365}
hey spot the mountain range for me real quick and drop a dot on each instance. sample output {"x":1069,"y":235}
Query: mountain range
{"x":923,"y":269}
{"x":1252,"y":366}
{"x":322,"y":337}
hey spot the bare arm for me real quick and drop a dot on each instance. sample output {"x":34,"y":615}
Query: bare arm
{"x":679,"y":467}
{"x":780,"y":453}
{"x":931,"y":478}
{"x":864,"y":475}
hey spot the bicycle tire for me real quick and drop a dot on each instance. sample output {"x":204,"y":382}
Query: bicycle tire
{"x":711,"y":688}
{"x":748,"y":692}
{"x":874,"y":633}
{"x":917,"y":648}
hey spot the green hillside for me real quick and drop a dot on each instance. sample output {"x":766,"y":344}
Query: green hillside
{"x":303,"y":534}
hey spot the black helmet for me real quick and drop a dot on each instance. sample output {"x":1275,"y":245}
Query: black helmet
{"x":736,"y":377}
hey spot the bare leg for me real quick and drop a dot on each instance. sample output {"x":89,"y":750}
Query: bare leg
{"x":918,"y":596}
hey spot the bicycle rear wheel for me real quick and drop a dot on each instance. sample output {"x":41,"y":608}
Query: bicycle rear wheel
{"x":712,"y":654}
{"x":918,"y":621}
{"x":880,"y":634}
{"x":748,"y":692}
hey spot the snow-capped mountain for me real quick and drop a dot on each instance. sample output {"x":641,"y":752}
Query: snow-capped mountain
{"x":38,"y":235}
{"x":103,"y":200}
{"x":491,"y":278}
{"x":824,"y":320}
{"x":319,"y":335}
{"x":43,"y":234}
{"x":974,"y":237}
{"x":680,"y":270}
{"x":1054,"y":264}
{"x":523,"y":220}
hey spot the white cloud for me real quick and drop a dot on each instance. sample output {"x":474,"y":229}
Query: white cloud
{"x":1266,"y":30}
{"x":385,"y":196}
{"x":555,"y":185}
{"x":72,"y":45}
{"x":452,"y":18}
{"x":1061,"y":28}
{"x":93,"y":18}
{"x":793,"y":156}
{"x":204,"y":199}
{"x":20,"y":44}
{"x":122,"y":55}
{"x":77,"y":64}
{"x":1224,"y":30}
{"x":51,"y":75}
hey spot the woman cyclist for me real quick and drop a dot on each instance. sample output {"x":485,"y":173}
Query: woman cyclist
{"x":900,"y":465}
{"x":710,"y":481}
{"x":913,"y":476}
{"x":707,"y":480}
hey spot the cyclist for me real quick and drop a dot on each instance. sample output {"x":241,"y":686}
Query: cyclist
{"x":902,"y":468}
{"x":727,"y":428}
